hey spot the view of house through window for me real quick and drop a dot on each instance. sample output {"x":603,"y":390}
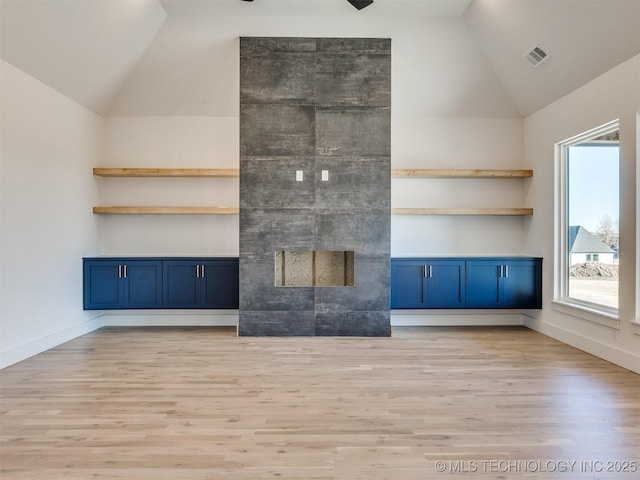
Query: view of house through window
{"x":592,"y":218}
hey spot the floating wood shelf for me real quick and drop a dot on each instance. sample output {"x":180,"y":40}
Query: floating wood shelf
{"x":235,"y":173}
{"x":166,"y":210}
{"x":236,"y":210}
{"x":167,"y":172}
{"x":462,"y":211}
{"x":456,"y":173}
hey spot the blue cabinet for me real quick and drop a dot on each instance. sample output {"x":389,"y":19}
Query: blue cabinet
{"x":200,"y":283}
{"x":221,"y":279}
{"x":427,"y":283}
{"x":504,"y":283}
{"x":130,"y":283}
{"x":122,"y":283}
{"x":510,"y":282}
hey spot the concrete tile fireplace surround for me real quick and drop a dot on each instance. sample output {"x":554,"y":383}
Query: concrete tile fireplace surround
{"x":315,"y":148}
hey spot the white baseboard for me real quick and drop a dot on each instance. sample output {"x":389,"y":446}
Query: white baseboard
{"x":609,"y":353}
{"x":172,"y":318}
{"x":229,"y":318}
{"x":450,"y":318}
{"x":42,"y":344}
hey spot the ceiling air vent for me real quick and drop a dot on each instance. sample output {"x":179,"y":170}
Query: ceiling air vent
{"x":535,"y":55}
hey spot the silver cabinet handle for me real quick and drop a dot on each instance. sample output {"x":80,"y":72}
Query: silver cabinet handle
{"x":119,"y":271}
{"x":506,"y":271}
{"x":125,"y":271}
{"x":427,"y":272}
{"x":197,"y":271}
{"x":202,"y":271}
{"x":430,"y":271}
{"x":500,"y":273}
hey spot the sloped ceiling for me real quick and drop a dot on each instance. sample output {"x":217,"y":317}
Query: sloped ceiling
{"x":584,"y":39}
{"x":108,"y":55}
{"x":412,"y":8}
{"x":83,"y":49}
{"x":192,"y":67}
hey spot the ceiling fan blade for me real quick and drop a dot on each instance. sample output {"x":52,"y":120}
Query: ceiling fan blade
{"x":360,"y":4}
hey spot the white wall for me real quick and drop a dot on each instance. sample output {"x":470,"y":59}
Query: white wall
{"x":192,"y":67}
{"x":636,"y":324}
{"x":448,"y":111}
{"x":614,"y":95}
{"x":212,"y":142}
{"x":465,"y":143}
{"x":179,"y":108}
{"x":170,"y":142}
{"x":49,"y":144}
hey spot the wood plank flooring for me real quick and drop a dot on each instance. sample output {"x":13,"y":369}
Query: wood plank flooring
{"x":428,"y":403}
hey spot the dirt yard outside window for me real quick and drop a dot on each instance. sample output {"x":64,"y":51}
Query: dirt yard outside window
{"x":594,"y":282}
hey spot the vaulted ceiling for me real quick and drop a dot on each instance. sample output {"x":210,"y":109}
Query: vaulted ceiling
{"x":105,"y":54}
{"x":84,"y":49}
{"x":584,"y":38}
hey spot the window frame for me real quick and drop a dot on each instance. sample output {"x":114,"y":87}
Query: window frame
{"x":594,"y":312}
{"x":635,"y":322}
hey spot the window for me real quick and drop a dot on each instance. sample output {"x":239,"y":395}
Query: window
{"x":588,"y":199}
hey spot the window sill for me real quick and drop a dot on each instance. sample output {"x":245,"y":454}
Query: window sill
{"x":635,"y":327}
{"x":588,"y":313}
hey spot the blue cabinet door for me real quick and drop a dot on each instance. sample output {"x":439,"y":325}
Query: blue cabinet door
{"x":201,"y":283}
{"x":102,"y":285}
{"x":407,"y":285}
{"x":427,"y":283}
{"x":445,"y":284}
{"x":220,"y":284}
{"x":522,"y":284}
{"x":484,"y":283}
{"x":142,"y":283}
{"x":122,"y":283}
{"x":181,"y":284}
{"x":504,"y":283}
{"x":487,"y":283}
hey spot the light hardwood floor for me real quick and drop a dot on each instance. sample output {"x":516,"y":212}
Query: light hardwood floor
{"x":199,"y":403}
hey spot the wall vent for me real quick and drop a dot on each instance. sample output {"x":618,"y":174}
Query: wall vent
{"x":535,"y":55}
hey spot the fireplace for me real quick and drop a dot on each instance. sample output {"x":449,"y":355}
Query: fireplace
{"x":296,"y":268}
{"x":315,"y":186}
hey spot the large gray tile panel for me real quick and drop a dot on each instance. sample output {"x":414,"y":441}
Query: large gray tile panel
{"x":353,"y":79}
{"x":263,"y":231}
{"x":353,"y":183}
{"x":283,"y":78}
{"x":354,"y":45}
{"x":271,"y":182}
{"x":259,"y":293}
{"x":315,"y":104}
{"x":277,"y":130}
{"x":278,"y":324}
{"x":368,"y":233}
{"x":355,"y":324}
{"x":372,"y":290}
{"x":252,"y":45}
{"x":353,"y":131}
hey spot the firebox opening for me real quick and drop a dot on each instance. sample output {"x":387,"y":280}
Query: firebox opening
{"x":297,"y":268}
